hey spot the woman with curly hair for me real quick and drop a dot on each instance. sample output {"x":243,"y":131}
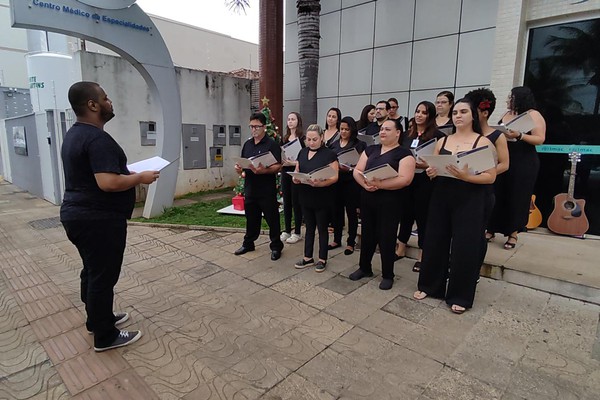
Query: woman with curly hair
{"x":514,"y":188}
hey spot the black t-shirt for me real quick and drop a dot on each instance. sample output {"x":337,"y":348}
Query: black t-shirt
{"x":359,"y":145}
{"x":373,"y":128}
{"x":88,"y":150}
{"x":315,"y":195}
{"x":262,"y":185}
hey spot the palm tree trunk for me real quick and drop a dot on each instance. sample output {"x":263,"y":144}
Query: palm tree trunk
{"x":308,"y":56}
{"x":270,"y":47}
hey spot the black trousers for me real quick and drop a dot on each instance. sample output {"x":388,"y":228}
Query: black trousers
{"x":316,"y":217}
{"x":347,"y":195}
{"x":291,"y":202}
{"x":415,"y":207}
{"x":455,"y":241}
{"x":380,"y":215}
{"x":101,"y":244}
{"x":255,"y":208}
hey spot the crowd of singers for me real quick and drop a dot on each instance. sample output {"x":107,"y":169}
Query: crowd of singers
{"x":455,"y":218}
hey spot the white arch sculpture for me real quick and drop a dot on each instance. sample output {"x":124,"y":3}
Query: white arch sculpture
{"x":123,"y":27}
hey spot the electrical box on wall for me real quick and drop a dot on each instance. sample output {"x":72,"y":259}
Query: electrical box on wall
{"x":235,"y":135}
{"x":216,"y":156}
{"x":194,"y":146}
{"x":219,"y":135}
{"x":148,"y":133}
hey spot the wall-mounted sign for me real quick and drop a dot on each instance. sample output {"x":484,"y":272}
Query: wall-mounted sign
{"x":108,"y":4}
{"x":34,"y":84}
{"x":91,"y":15}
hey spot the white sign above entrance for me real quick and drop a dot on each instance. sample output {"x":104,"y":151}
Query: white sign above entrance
{"x":108,"y":4}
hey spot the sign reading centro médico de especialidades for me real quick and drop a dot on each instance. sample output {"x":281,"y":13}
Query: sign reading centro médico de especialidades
{"x":94,"y":17}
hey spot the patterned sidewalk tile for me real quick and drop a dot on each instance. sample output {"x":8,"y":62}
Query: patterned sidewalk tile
{"x":40,"y":381}
{"x":20,"y":350}
{"x":125,"y":385}
{"x":47,"y":306}
{"x":89,"y":369}
{"x":68,"y":345}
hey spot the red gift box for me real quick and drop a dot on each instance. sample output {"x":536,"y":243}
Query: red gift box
{"x":238,"y":203}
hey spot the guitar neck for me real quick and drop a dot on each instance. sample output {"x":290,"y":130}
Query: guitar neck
{"x":573,"y":173}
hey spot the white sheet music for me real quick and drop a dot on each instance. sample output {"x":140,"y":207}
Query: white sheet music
{"x":149,"y":164}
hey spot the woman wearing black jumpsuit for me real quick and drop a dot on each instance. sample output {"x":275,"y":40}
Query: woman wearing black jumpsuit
{"x":456,"y":222}
{"x":380,"y":199}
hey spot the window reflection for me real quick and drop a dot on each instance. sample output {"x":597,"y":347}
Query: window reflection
{"x":563,"y":71}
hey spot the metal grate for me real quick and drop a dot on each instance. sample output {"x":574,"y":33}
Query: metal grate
{"x":46,"y":223}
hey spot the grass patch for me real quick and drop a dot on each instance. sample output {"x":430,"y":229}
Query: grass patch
{"x":202,"y":213}
{"x":207,"y":192}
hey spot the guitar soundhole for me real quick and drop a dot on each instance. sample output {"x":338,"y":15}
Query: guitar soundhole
{"x":569,"y":205}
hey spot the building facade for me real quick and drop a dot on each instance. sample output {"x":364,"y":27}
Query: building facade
{"x":413,"y":49}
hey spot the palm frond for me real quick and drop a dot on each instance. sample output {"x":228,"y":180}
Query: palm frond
{"x":237,"y":6}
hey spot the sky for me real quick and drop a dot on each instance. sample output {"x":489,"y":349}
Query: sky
{"x":208,"y":14}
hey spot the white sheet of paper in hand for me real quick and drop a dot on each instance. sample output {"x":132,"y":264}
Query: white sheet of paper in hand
{"x":381,"y":172}
{"x":266,"y":159}
{"x":291,"y":149}
{"x":349,"y":157}
{"x":155,"y":163}
{"x":426,"y":149}
{"x":440,"y":162}
{"x":242,"y":162}
{"x":478,"y":160}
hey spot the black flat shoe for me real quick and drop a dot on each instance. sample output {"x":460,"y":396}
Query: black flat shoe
{"x":275,"y":255}
{"x":349,"y":250}
{"x":386,"y":284}
{"x":359,"y":274}
{"x":243,"y":250}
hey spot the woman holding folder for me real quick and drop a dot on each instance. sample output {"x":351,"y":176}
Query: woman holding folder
{"x":456,"y":222}
{"x":347,"y":191}
{"x":515,"y":187}
{"x":380,"y":197}
{"x":289,"y":191}
{"x":316,"y":195}
{"x":415,"y":204}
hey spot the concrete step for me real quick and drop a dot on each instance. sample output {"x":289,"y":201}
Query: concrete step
{"x":555,"y":264}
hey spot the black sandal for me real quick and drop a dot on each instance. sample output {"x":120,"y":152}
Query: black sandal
{"x":508,"y":245}
{"x":417,"y":267}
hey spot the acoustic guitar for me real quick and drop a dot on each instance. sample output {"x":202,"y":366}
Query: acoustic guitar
{"x":568,"y":216}
{"x":535,"y":215}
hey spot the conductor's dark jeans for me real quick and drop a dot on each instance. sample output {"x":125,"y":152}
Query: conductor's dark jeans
{"x":101,"y":244}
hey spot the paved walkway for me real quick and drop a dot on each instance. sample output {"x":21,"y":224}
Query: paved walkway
{"x":218,"y":326}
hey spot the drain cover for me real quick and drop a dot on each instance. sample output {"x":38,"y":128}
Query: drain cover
{"x":46,"y":223}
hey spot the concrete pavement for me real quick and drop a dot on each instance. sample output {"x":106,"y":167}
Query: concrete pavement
{"x":217,"y":326}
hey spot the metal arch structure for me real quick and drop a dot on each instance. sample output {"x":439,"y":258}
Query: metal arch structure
{"x":123,"y":27}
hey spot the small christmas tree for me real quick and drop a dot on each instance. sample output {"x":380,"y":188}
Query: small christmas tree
{"x":272,"y":131}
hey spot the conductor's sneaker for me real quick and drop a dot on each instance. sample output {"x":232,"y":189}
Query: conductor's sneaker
{"x":284,"y":236}
{"x":124,"y":338}
{"x":304,"y":263}
{"x":120,"y":318}
{"x":295,"y":238}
